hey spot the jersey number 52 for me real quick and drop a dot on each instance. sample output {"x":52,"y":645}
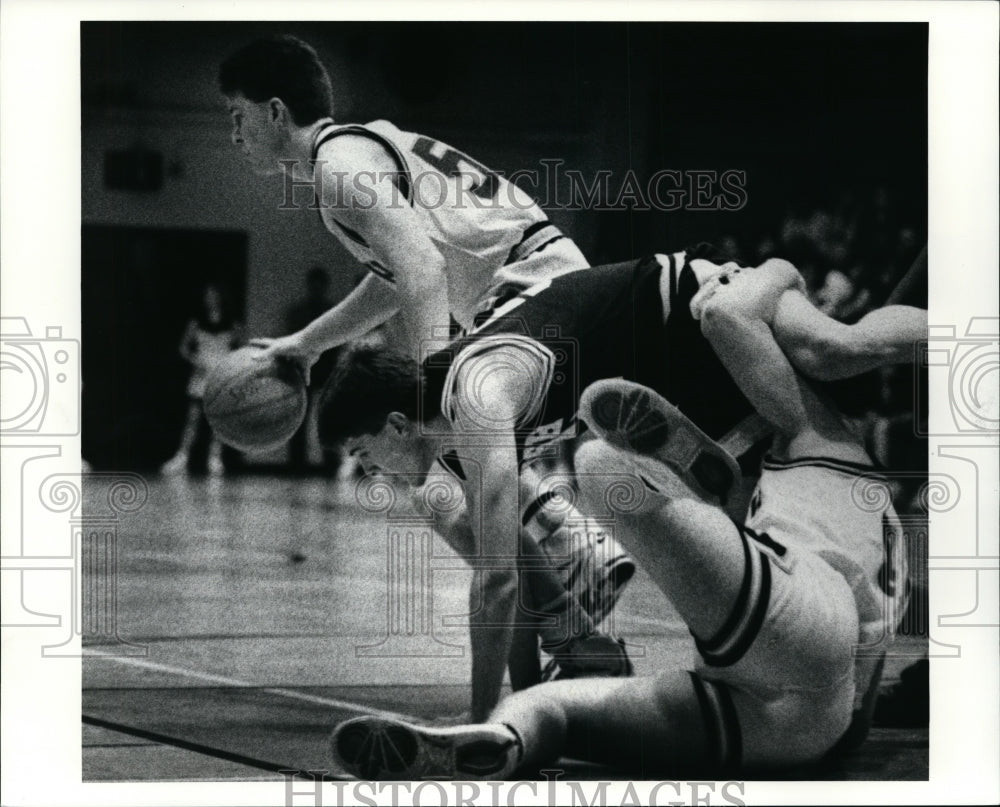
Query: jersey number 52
{"x":448,"y":163}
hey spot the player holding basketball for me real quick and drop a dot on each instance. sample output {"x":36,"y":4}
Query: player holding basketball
{"x":497,"y":400}
{"x":776,"y":606}
{"x":443,"y":236}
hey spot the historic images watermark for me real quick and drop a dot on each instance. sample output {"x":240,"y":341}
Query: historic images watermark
{"x":551,"y":186}
{"x":308,"y":788}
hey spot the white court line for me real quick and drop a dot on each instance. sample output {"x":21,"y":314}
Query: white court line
{"x":238,"y":684}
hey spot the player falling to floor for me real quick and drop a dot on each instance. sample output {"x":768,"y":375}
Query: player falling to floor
{"x":443,"y":236}
{"x":496,"y":400}
{"x":776,"y":606}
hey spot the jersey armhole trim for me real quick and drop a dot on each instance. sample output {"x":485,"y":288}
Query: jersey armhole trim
{"x":402,"y":180}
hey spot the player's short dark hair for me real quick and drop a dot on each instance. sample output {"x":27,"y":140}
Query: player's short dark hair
{"x":367,"y":384}
{"x":282,"y":67}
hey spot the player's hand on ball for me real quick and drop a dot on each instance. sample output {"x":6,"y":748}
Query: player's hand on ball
{"x":287,"y":348}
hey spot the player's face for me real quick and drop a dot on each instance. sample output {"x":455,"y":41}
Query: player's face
{"x":255,"y":134}
{"x":394,"y":450}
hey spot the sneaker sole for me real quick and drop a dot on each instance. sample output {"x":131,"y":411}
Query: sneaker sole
{"x":381,"y":749}
{"x":640,"y":421}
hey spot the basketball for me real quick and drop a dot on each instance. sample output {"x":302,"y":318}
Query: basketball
{"x":254,"y":405}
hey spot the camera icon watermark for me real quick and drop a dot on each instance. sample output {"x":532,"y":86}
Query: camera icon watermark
{"x":38,"y":373}
{"x":972,"y":362}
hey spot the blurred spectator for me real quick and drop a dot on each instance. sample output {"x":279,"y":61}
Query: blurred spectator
{"x":208,"y":337}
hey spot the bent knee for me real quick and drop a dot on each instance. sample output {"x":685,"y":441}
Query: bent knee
{"x":795,"y":728}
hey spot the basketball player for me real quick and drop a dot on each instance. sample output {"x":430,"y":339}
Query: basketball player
{"x":776,"y":606}
{"x":443,"y":236}
{"x":498,"y":400}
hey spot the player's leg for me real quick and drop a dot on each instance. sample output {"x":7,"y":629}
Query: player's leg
{"x":596,"y":568}
{"x":178,"y":463}
{"x":566,"y":629}
{"x":652,"y":726}
{"x":692,"y":550}
{"x":547,"y":595}
{"x":776,"y":622}
{"x":807,"y":421}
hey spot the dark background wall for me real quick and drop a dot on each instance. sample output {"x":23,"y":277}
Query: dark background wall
{"x":817,"y":116}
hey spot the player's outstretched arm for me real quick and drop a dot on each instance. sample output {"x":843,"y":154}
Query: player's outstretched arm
{"x":829,"y":350}
{"x":817,"y":345}
{"x":370,"y":304}
{"x":359,"y":192}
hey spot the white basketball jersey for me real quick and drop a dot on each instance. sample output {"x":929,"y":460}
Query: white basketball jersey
{"x":842,"y":512}
{"x":489,"y":231}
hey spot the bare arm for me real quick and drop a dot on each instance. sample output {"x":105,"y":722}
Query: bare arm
{"x":441,"y":498}
{"x":816,"y":344}
{"x":742,"y":339}
{"x":368,"y":305}
{"x":739,"y":327}
{"x":829,"y":350}
{"x":368,"y":202}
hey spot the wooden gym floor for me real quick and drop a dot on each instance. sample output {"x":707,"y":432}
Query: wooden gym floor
{"x":256,"y":612}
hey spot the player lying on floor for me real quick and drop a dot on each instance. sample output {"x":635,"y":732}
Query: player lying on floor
{"x":498,"y":399}
{"x":776,"y":606}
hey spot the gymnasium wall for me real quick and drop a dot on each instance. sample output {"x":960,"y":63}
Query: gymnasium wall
{"x":807,"y":113}
{"x":153,"y":86}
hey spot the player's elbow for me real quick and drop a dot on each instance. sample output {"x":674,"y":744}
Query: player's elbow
{"x":812,"y":358}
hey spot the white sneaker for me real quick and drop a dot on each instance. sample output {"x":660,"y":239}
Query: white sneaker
{"x":384,"y":749}
{"x":679,"y":458}
{"x":597,"y":567}
{"x":175,"y":465}
{"x":215,"y":465}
